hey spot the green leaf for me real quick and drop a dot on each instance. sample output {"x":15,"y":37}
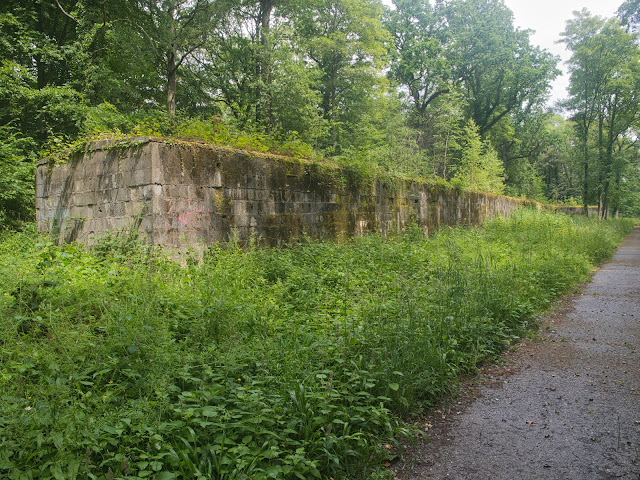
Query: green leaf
{"x":165,"y":476}
{"x":56,"y":471}
{"x":209,"y":412}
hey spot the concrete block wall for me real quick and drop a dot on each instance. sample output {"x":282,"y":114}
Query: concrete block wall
{"x":181,"y":195}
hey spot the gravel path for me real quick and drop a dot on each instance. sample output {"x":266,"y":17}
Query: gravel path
{"x":566,"y":407}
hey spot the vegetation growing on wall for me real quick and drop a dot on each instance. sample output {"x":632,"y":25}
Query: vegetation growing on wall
{"x":272,"y":363}
{"x":449,"y":90}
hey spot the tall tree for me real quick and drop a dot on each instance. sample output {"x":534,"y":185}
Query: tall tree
{"x":587,"y":81}
{"x":558,"y":163}
{"x":621,"y":104}
{"x":499,"y":69}
{"x":479,"y":167}
{"x":418,"y":50}
{"x":170,"y":32}
{"x":629,"y":14}
{"x":265,"y":11}
{"x":604,"y":90}
{"x":38,"y":70}
{"x":262,"y":79}
{"x":41,"y":36}
{"x":230,"y":63}
{"x":344,"y":39}
{"x":625,"y":198}
{"x":447,"y":125}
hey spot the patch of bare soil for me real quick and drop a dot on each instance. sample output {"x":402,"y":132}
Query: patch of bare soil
{"x":564,"y":407}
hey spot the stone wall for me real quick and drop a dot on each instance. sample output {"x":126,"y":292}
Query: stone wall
{"x":182,"y":194}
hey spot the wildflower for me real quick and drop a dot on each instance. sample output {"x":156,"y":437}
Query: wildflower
{"x":28,"y":408}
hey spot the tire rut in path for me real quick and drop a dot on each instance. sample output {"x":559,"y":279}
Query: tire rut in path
{"x":566,"y":407}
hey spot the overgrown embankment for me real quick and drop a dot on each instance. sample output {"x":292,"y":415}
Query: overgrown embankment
{"x":276,"y":363}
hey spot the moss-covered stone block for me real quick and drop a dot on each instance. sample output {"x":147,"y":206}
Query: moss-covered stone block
{"x":182,"y":194}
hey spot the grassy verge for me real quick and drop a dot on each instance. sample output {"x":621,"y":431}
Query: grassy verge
{"x":290,"y":363}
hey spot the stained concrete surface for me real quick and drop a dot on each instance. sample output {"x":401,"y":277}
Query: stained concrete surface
{"x":565,"y":407}
{"x":188,"y":195}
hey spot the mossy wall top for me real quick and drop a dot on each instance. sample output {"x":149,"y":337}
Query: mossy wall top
{"x":182,"y":194}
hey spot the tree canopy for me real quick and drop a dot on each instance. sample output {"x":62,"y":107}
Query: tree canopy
{"x":604,"y":91}
{"x":448,"y":89}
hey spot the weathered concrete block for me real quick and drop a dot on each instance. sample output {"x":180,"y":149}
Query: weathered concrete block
{"x":183,"y":194}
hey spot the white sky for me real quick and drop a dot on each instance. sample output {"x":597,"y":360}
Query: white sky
{"x":547,"y":18}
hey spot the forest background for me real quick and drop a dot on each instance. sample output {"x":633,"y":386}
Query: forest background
{"x":306,"y":362}
{"x":444,"y":89}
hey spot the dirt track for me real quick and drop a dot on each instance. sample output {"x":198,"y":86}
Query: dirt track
{"x":566,"y":407}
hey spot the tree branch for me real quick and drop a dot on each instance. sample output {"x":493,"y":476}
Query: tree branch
{"x":189,"y":52}
{"x":68,"y":15}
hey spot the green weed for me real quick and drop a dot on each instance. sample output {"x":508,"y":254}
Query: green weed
{"x":278,"y":363}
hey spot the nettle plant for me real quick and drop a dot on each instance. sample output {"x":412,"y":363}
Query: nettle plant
{"x":301,"y":362}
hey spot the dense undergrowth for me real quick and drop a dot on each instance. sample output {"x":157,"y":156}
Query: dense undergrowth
{"x":275,"y":363}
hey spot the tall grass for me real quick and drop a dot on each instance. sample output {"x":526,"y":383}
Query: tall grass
{"x":277,"y":363}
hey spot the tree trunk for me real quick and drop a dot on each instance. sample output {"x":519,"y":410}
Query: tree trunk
{"x":599,"y":201}
{"x":329,"y":104}
{"x":446,"y":148}
{"x":334,"y":119}
{"x":611,"y":138}
{"x":41,"y":70}
{"x":601,"y":163}
{"x":266,"y":8}
{"x":616,"y":205}
{"x":605,"y":201}
{"x":585,"y":185}
{"x":172,"y":82}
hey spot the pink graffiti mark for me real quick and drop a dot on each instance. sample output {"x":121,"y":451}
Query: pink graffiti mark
{"x":184,"y":217}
